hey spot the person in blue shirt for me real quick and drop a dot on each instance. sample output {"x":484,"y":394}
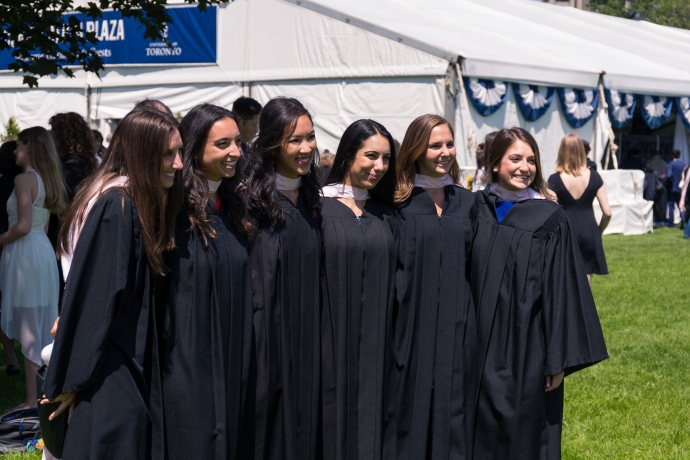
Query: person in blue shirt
{"x":675,"y":173}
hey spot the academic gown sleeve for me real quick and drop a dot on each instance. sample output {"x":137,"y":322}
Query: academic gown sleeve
{"x":93,"y":292}
{"x":572,"y":332}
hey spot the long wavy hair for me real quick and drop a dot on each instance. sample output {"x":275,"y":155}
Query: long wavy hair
{"x":353,"y":139}
{"x":72,"y":135}
{"x":197,"y":124}
{"x":137,"y":151}
{"x":500,"y":145}
{"x":44,"y":159}
{"x":277,"y":123}
{"x":413,"y":147}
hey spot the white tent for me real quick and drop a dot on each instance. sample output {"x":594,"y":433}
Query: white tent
{"x":390,"y":60}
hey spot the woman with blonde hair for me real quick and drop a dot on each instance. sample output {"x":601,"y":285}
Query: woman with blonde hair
{"x":28,"y":271}
{"x":576,"y":187}
{"x":429,"y":393}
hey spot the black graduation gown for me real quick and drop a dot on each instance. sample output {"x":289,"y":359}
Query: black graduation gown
{"x":205,"y":340}
{"x":536,"y":317}
{"x":285,"y":278}
{"x":432,"y":387}
{"x":104,"y":342}
{"x":358,"y":291}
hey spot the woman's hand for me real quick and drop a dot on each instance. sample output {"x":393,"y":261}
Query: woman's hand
{"x":66,"y":401}
{"x":53,"y":331}
{"x":553,"y":382}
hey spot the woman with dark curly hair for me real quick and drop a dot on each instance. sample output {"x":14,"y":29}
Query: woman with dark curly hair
{"x":285,"y":206}
{"x":76,"y":147}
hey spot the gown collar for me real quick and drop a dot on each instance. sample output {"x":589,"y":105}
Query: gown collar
{"x":424,"y":181}
{"x":521,"y":195}
{"x":345,"y":191}
{"x":285,"y":183}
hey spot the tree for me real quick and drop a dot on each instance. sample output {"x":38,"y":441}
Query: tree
{"x":11,"y":130}
{"x":44,"y":43}
{"x":674,"y":13}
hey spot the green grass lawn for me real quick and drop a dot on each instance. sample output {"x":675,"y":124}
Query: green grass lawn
{"x":636,"y":404}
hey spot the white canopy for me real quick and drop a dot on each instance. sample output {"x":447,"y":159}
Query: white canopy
{"x":527,"y":41}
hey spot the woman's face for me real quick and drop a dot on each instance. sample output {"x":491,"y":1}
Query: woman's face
{"x":370,"y":163}
{"x":517,"y":168}
{"x":222,"y":150}
{"x":296,"y":154}
{"x":440,"y":153}
{"x":172,"y":162}
{"x":22,"y":154}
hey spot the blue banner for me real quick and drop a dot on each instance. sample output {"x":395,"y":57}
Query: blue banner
{"x":579,"y":105}
{"x":486,"y":96}
{"x":192,"y":35}
{"x":533,"y":100}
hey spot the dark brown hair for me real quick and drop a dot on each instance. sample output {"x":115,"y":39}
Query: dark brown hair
{"x":414,"y":147}
{"x":500,"y":145}
{"x":137,"y":151}
{"x":44,"y":159}
{"x":72,"y":135}
{"x":197,"y":124}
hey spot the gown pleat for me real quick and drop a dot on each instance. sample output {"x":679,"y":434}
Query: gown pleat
{"x":536,"y":317}
{"x":205,"y":333}
{"x":431,"y":388}
{"x":286,"y":394}
{"x":358,"y":291}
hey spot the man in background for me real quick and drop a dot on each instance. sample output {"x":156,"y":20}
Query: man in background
{"x":248,"y":111}
{"x":674,"y":174}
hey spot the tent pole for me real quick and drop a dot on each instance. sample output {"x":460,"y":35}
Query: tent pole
{"x":87,"y":96}
{"x":465,"y":117}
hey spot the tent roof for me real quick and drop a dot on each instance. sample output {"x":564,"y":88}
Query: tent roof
{"x":529,"y":41}
{"x":516,"y":40}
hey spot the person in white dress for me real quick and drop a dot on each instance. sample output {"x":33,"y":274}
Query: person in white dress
{"x":28,"y":267}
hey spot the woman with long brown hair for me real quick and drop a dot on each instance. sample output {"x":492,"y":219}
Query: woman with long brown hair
{"x":207,"y":301}
{"x":29,"y":277}
{"x":536,"y":319}
{"x":112,"y":243}
{"x":285,"y":253}
{"x":576,"y":187}
{"x":430,"y":390}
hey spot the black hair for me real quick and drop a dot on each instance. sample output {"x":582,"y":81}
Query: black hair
{"x":196,"y":126}
{"x":675,"y":153}
{"x":154,"y":104}
{"x":586,"y":145}
{"x":352,"y":140}
{"x":8,"y":162}
{"x":246,"y":107}
{"x":277,"y":122}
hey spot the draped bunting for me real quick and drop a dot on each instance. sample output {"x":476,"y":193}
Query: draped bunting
{"x":579,"y":105}
{"x":486,"y":96}
{"x":655,"y":109}
{"x":621,"y":107}
{"x":683,"y":108}
{"x":533,"y":100}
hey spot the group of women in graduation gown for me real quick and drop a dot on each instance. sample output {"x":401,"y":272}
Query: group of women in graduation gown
{"x":265,"y":318}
